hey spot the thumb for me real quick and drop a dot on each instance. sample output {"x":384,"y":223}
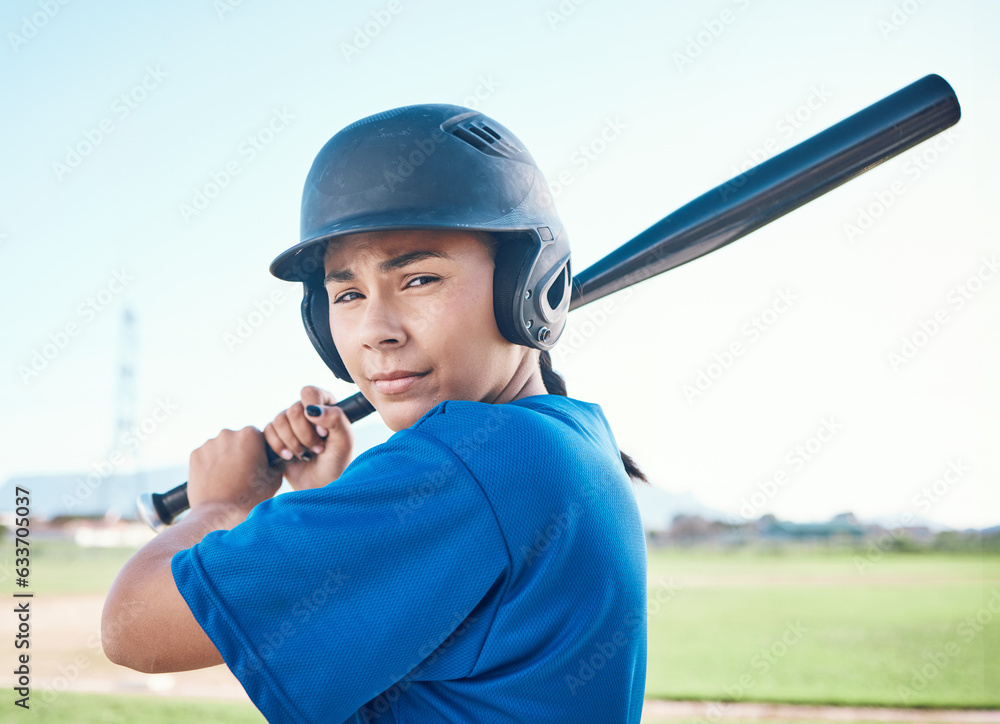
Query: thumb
{"x":325,"y":417}
{"x":320,"y":408}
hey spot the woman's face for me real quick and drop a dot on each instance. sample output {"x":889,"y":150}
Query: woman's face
{"x":411,"y":313}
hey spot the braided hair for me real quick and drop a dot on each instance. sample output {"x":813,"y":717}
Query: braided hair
{"x":556,"y":385}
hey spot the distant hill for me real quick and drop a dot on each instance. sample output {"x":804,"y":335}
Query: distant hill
{"x":70,"y":494}
{"x":890,"y":522}
{"x":658,"y":506}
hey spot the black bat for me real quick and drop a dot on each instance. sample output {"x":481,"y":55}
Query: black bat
{"x":729,"y":212}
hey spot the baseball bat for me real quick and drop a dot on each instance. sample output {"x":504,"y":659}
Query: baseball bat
{"x":769,"y":190}
{"x":775,"y":187}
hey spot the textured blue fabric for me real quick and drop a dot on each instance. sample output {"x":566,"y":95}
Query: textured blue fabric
{"x":485,"y":565}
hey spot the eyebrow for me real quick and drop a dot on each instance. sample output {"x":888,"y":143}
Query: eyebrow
{"x":396,"y":262}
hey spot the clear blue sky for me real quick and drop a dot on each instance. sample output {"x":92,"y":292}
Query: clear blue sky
{"x":171,"y":95}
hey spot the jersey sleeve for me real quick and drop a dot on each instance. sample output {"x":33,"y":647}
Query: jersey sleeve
{"x":322,"y":599}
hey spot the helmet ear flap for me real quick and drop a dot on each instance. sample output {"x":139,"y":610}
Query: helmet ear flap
{"x":316,"y":317}
{"x":511,"y":266}
{"x":531,"y":284}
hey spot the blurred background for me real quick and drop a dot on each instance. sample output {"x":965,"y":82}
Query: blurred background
{"x":841,"y":472}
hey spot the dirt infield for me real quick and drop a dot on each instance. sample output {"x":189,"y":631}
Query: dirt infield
{"x":67,"y":656}
{"x":704,"y":711}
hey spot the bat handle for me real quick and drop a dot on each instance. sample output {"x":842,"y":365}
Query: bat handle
{"x":158,"y":510}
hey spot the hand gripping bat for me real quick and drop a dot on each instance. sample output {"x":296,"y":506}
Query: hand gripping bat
{"x":161,"y":509}
{"x":728,"y":212}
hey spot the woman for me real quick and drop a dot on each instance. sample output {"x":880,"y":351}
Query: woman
{"x":486,"y":563}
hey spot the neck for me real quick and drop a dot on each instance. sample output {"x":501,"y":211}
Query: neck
{"x":526,"y":381}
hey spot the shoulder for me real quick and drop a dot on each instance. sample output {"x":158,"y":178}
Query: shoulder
{"x":539,"y":446}
{"x":459,"y":424}
{"x":549,"y":439}
{"x":459,"y":419}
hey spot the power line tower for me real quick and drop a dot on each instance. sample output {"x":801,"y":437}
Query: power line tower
{"x":125,"y":391}
{"x":123,"y":456}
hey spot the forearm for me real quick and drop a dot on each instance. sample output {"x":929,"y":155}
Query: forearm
{"x":146,"y":623}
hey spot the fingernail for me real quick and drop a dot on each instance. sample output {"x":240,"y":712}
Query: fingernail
{"x":313,"y":411}
{"x":321,"y":431}
{"x":286,"y":454}
{"x":318,"y":449}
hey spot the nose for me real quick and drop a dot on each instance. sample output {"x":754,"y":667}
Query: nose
{"x":382,"y":324}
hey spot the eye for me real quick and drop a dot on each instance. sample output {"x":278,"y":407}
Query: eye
{"x":428,"y":280}
{"x":346,"y":297}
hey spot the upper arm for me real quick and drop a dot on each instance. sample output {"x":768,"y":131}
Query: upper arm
{"x":146,"y":624}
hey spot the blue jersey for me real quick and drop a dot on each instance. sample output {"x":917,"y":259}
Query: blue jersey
{"x":485,"y":565}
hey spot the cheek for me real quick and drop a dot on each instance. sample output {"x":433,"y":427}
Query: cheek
{"x":341,"y":331}
{"x":472,"y":341}
{"x":480,"y":309}
{"x":463,"y":313}
{"x":472,"y":310}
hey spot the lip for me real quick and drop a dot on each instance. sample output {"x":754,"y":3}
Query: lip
{"x":396,"y":382}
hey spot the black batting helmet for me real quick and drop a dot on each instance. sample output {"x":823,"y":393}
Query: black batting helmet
{"x":436,"y":166}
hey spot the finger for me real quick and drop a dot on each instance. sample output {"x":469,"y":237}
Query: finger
{"x":249,"y":440}
{"x":271,"y":438}
{"x":310,"y":394}
{"x":275,"y":442}
{"x":304,"y":429}
{"x":288,"y":443}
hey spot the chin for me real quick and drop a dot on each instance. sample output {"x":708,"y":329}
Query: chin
{"x":399,"y":414}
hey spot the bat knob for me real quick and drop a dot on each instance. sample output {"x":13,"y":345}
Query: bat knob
{"x":147,"y":512}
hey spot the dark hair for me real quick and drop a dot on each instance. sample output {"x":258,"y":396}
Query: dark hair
{"x":556,"y":385}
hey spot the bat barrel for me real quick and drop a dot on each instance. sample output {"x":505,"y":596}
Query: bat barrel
{"x":775,"y":187}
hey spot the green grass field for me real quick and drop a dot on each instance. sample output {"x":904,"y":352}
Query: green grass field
{"x":811,"y":628}
{"x":801,"y":626}
{"x":120,"y":709}
{"x":63,"y":568}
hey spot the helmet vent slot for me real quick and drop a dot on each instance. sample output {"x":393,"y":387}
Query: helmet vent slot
{"x":472,"y":140}
{"x":485,"y":139}
{"x":482,"y":134}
